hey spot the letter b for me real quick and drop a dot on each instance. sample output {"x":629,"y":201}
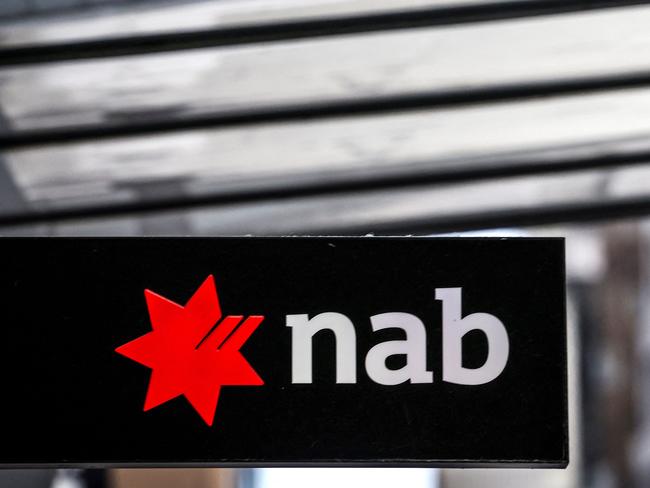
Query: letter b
{"x":454,"y":327}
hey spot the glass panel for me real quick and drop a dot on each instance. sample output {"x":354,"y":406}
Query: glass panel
{"x":123,"y":18}
{"x":349,"y":67}
{"x":420,"y":209}
{"x":275,"y":156}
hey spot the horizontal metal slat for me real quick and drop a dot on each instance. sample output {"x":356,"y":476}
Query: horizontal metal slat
{"x":294,"y":30}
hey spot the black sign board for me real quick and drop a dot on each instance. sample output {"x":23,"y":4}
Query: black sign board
{"x":283,"y":351}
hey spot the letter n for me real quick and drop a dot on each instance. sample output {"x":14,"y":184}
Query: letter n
{"x":303,"y":329}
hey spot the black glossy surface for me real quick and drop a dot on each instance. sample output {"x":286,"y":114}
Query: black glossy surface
{"x":68,"y":398}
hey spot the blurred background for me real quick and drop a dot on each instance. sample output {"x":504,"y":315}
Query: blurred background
{"x":354,"y":117}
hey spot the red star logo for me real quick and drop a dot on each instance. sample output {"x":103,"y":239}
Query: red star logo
{"x":191,"y":352}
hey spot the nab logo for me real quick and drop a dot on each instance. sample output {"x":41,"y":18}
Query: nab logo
{"x":193,"y":352}
{"x":413,"y":348}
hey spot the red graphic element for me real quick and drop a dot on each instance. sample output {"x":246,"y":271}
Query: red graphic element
{"x":191,"y":352}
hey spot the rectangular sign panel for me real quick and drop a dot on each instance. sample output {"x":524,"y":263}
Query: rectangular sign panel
{"x":283,"y":351}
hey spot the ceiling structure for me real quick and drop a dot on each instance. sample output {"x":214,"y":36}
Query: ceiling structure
{"x":290,"y":117}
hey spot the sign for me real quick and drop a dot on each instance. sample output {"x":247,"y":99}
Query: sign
{"x":283,"y":351}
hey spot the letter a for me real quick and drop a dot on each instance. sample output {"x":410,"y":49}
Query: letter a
{"x":414,"y":348}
